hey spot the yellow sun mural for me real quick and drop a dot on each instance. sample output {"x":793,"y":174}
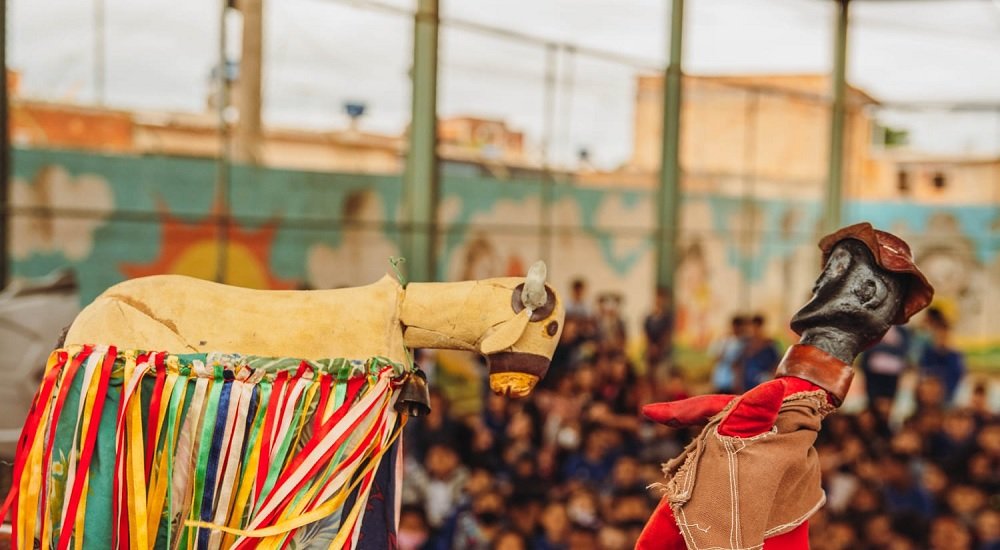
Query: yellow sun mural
{"x":192,"y":248}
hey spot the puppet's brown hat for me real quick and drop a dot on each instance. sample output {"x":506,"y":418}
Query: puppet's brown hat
{"x":892,"y":254}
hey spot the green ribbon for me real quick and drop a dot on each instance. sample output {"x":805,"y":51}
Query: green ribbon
{"x":204,"y":449}
{"x":278,"y":462}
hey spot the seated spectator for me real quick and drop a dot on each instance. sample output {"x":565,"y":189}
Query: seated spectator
{"x":658,"y":327}
{"x":437,"y":484}
{"x":901,"y":492}
{"x":625,"y":475}
{"x":882,"y":366}
{"x":611,"y":329}
{"x":509,"y":540}
{"x":613,"y":538}
{"x":878,"y":531}
{"x":964,"y":502}
{"x":939,"y":359}
{"x":953,"y":445}
{"x":988,"y":440}
{"x":948,"y":533}
{"x":576,"y":305}
{"x":414,"y":531}
{"x":840,"y":535}
{"x":524,"y":508}
{"x":979,"y":403}
{"x":436,"y":426}
{"x":476,"y":527}
{"x":760,"y":356}
{"x":582,"y":509}
{"x":908,"y":528}
{"x":583,"y":537}
{"x":628,"y":505}
{"x":936,"y":482}
{"x":632,"y":530}
{"x":592,"y":464}
{"x":865,"y":503}
{"x":984,"y":472}
{"x":929,"y":395}
{"x":554,"y":533}
{"x":726,"y":353}
{"x":617,"y":385}
{"x":987,"y":528}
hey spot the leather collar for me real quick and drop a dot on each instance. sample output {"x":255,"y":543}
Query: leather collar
{"x":819,"y":367}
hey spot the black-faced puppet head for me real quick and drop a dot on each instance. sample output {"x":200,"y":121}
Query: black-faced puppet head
{"x":869,"y":282}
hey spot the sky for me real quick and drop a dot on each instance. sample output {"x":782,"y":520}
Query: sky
{"x":322,"y":53}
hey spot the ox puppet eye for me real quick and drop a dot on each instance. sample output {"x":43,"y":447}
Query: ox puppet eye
{"x":865,"y":291}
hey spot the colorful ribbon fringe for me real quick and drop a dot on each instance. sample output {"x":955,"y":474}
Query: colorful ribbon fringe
{"x":128,"y":449}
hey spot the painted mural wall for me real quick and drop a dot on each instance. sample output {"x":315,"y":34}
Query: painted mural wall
{"x":114,"y":217}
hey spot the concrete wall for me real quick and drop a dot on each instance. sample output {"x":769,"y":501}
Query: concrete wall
{"x":770,"y":129}
{"x":111,"y":217}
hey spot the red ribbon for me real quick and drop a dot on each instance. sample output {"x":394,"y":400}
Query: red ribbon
{"x":120,"y":512}
{"x":27,"y":439}
{"x":153,"y":427}
{"x":353,"y":387}
{"x":88,"y":449}
{"x":67,"y":382}
{"x":265,"y":445}
{"x":324,"y":398}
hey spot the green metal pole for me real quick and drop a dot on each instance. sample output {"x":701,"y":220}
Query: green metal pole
{"x":670,"y":173}
{"x":420,"y":183}
{"x":835,"y":175}
{"x":4,"y":153}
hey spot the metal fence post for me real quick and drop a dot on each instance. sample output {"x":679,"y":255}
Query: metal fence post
{"x":835,"y":175}
{"x":420,"y":182}
{"x":670,"y":174}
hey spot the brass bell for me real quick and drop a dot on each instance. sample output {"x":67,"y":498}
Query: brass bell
{"x":414,"y":398}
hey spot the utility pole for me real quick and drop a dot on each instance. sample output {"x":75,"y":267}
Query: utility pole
{"x":99,"y":53}
{"x":4,"y":153}
{"x":223,"y":161}
{"x":420,"y":182}
{"x":669,"y":198}
{"x":548,"y":130}
{"x":835,"y":174}
{"x":248,"y":86}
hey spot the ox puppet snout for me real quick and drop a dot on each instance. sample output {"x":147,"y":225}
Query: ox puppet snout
{"x":515,"y":374}
{"x":533,"y":334}
{"x":515,"y":323}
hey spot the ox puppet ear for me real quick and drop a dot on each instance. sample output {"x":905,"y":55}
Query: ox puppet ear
{"x":533,"y":296}
{"x":505,"y":334}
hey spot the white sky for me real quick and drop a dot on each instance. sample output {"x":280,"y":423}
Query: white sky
{"x":320,"y":53}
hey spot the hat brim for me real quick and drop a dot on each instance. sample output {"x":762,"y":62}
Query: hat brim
{"x":892,"y":254}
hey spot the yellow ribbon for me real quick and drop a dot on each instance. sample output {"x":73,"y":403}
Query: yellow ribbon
{"x":88,"y":411}
{"x":158,"y":475}
{"x":303,"y":503}
{"x":348,"y":526}
{"x":305,"y":418}
{"x":231,"y":467}
{"x":81,"y":517}
{"x":242,"y":498}
{"x":42,"y":433}
{"x":320,"y":512}
{"x":136,"y":471}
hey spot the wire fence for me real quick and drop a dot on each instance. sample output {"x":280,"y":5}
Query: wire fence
{"x":549,"y":140}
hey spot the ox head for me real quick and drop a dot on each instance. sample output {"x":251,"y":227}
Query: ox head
{"x":519,"y":350}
